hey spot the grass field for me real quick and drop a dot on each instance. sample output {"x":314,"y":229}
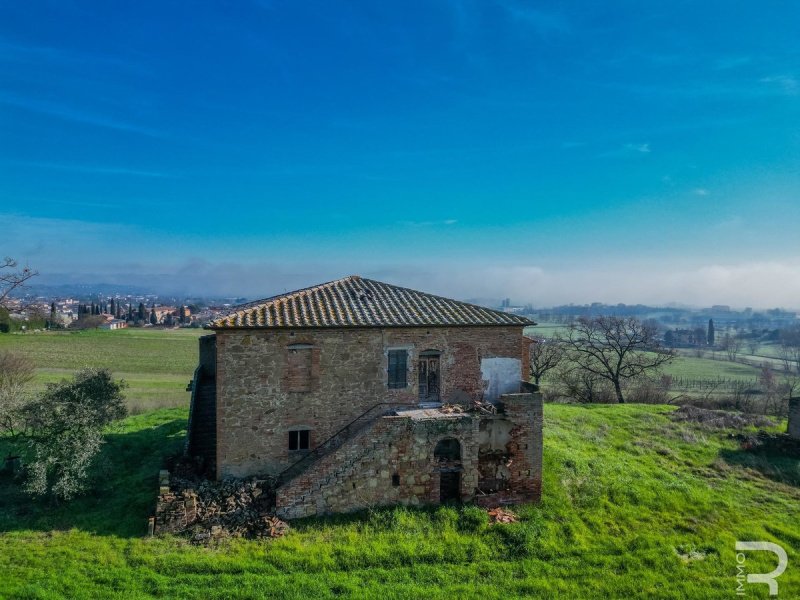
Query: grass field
{"x":156,"y":363}
{"x":635,"y":506}
{"x":691,"y":367}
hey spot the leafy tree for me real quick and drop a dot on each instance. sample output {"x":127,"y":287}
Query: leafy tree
{"x":153,"y":318}
{"x":141,"y":312}
{"x":616,"y":349}
{"x":66,"y":431}
{"x":545,"y":355}
{"x":711,"y":334}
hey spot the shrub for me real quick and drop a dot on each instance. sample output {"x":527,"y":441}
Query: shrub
{"x":66,"y":431}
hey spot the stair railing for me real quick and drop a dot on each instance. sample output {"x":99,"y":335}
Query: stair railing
{"x":329,"y":444}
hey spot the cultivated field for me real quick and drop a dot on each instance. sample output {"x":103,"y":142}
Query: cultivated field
{"x":156,"y":363}
{"x":635,"y":506}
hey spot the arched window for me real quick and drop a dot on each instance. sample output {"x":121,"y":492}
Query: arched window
{"x":447,"y":449}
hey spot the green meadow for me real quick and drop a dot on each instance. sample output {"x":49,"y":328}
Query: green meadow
{"x":156,"y":363}
{"x":635,"y":505}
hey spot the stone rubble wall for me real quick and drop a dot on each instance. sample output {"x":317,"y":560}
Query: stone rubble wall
{"x":391,"y":462}
{"x":360,"y":474}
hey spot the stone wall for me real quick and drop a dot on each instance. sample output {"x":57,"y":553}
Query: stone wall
{"x":208,"y":354}
{"x":794,"y":418}
{"x":392,"y":462}
{"x":256,"y":407}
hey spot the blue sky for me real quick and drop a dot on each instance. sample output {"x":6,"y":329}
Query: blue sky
{"x":553,"y":152}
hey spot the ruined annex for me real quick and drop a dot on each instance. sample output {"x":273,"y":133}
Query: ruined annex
{"x":356,"y":393}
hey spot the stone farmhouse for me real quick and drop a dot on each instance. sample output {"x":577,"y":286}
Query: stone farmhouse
{"x":357,"y":393}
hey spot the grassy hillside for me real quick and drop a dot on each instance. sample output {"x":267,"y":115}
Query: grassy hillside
{"x":156,"y":363}
{"x":635,"y":506}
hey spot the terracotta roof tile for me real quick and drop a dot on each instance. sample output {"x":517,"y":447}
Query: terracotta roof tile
{"x":357,"y":302}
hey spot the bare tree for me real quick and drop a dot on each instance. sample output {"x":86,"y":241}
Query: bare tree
{"x":789,"y":348}
{"x":16,"y":372}
{"x":732,"y":345}
{"x":582,"y":386}
{"x":616,"y":349}
{"x":11,"y":277}
{"x":545,"y":355}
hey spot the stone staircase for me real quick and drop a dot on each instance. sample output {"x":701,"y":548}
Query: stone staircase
{"x":202,"y":427}
{"x":334,"y":442}
{"x":303,"y":495}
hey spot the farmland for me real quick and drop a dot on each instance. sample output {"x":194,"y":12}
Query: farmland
{"x":156,"y":363}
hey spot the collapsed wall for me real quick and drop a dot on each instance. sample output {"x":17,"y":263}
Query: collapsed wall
{"x":427,"y":456}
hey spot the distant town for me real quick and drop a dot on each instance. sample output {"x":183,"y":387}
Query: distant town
{"x":85,"y":307}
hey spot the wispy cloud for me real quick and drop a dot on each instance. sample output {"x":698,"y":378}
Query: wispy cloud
{"x":428,"y":223}
{"x":628,"y":149}
{"x":69,"y":113}
{"x":788,"y":83}
{"x":67,"y":57}
{"x":542,"y":21}
{"x":700,"y":192}
{"x":90,"y":169}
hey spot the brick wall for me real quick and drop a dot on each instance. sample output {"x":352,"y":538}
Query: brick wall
{"x":257,"y":403}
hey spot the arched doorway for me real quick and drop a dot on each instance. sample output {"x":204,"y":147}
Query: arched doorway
{"x":448,"y":458}
{"x":429,"y":376}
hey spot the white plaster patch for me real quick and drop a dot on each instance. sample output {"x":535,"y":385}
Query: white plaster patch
{"x":500,"y":376}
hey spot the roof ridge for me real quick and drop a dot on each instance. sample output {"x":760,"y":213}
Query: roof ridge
{"x":356,"y":301}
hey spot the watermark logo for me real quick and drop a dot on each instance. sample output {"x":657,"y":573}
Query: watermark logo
{"x":768,"y":578}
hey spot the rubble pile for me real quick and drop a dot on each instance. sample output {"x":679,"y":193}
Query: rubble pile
{"x":777,"y":444}
{"x":207,"y":511}
{"x":501,"y":515}
{"x":486,"y":408}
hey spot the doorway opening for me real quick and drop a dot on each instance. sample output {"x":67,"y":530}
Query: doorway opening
{"x":448,"y":458}
{"x":429,"y":381}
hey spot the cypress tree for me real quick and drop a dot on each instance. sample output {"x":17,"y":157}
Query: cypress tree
{"x":710,"y":337}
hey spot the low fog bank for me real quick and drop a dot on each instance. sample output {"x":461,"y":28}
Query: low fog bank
{"x":747,"y":284}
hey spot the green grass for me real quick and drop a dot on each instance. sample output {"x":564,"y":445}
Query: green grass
{"x":156,"y":363}
{"x":691,"y":367}
{"x":635,"y":506}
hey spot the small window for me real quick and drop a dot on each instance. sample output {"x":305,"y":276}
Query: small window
{"x":396,"y":480}
{"x":298,"y":440}
{"x":398,"y":369}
